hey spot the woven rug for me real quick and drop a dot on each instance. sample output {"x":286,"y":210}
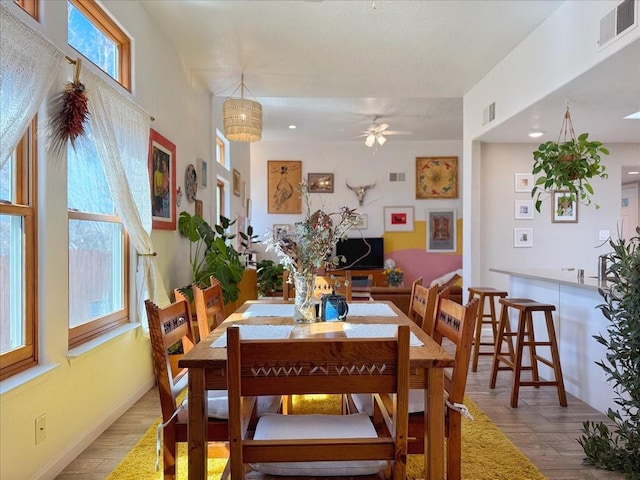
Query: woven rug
{"x":487,"y":454}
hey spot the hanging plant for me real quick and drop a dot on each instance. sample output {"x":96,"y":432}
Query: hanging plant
{"x":69,"y":113}
{"x":568,"y":165}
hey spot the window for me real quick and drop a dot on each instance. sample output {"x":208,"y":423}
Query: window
{"x":96,"y":36}
{"x":219,"y":200}
{"x":30,"y":6}
{"x":18,"y":253}
{"x":221,"y":151}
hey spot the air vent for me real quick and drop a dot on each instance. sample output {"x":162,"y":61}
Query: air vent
{"x":489,"y":114}
{"x":618,"y":21}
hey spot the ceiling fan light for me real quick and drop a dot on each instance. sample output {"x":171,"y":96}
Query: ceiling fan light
{"x":381,"y":139}
{"x":371,"y":139}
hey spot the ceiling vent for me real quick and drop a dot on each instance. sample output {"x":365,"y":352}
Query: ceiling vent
{"x":489,"y":114}
{"x":620,"y":20}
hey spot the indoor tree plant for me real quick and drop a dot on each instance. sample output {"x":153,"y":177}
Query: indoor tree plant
{"x":269,"y":278}
{"x":568,"y":165}
{"x":618,"y":447}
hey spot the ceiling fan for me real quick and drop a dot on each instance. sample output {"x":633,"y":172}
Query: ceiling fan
{"x":376,"y":133}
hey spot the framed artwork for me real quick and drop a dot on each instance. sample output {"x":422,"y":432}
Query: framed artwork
{"x":202,"y":172}
{"x":199,"y":207}
{"x":280,"y":227}
{"x":523,"y":210}
{"x":191,"y":183}
{"x":248,"y":208}
{"x":441,"y":230}
{"x":523,"y":182}
{"x":162,"y":176}
{"x":236,"y":182}
{"x":436,"y":177}
{"x":284,"y":177}
{"x":363,"y":221}
{"x":523,"y":237}
{"x":320,"y":182}
{"x":398,"y":219}
{"x":241,"y":226}
{"x":565,"y":207}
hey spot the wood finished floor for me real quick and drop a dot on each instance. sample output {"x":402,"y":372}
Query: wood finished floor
{"x":544,"y":431}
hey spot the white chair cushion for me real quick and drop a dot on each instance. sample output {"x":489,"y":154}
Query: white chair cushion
{"x":218,"y":405}
{"x":274,"y":426}
{"x":364,"y":401}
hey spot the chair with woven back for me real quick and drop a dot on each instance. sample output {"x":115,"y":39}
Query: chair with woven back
{"x":456,"y":323}
{"x":209,"y":303}
{"x":338,"y":281}
{"x":313,"y":444}
{"x":417,"y":281}
{"x":168,"y":326}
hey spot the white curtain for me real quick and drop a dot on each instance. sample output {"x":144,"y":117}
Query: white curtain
{"x":121,"y":134}
{"x":29,"y":64}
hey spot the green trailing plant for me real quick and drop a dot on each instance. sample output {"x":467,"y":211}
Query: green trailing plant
{"x":211,"y":252}
{"x":618,"y":447}
{"x":568,"y":165}
{"x":269,"y":277}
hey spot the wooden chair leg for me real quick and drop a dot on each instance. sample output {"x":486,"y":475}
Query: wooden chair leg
{"x":169,"y":453}
{"x":497,"y":353}
{"x":454,"y":446}
{"x":533,"y":353}
{"x":555,"y":358}
{"x":518,"y":361}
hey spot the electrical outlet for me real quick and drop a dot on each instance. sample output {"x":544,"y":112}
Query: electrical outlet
{"x":604,"y":235}
{"x":41,"y":428}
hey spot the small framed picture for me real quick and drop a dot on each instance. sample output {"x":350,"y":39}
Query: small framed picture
{"x":523,"y":182}
{"x":441,"y":230}
{"x":398,"y":219}
{"x":523,"y":237}
{"x":363,"y":221}
{"x":236,"y":182}
{"x":202,"y":172}
{"x":199,"y":207}
{"x":320,"y":182}
{"x":565,"y":207}
{"x":523,"y":209}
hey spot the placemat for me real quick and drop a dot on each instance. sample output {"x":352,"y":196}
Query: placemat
{"x":256,"y":332}
{"x":370,"y":309}
{"x":269,"y":310}
{"x":377,"y":330}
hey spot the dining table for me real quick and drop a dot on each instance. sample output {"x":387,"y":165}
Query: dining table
{"x":269,"y":318}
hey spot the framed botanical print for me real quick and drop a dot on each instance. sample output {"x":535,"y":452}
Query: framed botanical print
{"x":162,"y":176}
{"x":441,"y":230}
{"x":565,"y":207}
{"x":283,"y":194}
{"x":398,"y":219}
{"x":437,"y":177}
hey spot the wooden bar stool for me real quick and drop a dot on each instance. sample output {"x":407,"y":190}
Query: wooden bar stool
{"x":525,"y":336}
{"x":492,"y":294}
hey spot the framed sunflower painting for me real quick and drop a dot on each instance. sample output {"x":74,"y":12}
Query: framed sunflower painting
{"x":436,"y":177}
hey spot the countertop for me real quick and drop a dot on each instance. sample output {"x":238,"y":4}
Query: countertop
{"x":561,"y":276}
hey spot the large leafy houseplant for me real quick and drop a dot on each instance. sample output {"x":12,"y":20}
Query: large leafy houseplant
{"x":211,"y":252}
{"x":269,"y":277}
{"x":568,"y":165}
{"x":618,"y":448}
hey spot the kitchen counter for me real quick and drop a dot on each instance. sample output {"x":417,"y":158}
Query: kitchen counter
{"x":577,"y":319}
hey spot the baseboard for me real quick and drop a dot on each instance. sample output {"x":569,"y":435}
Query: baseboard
{"x":53,"y":469}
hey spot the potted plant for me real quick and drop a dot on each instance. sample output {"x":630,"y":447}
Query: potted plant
{"x":269,"y":278}
{"x":212,"y":253}
{"x":568,"y":165}
{"x":618,"y":448}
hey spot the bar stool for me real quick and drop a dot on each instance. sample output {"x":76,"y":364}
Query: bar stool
{"x":526,"y":307}
{"x":492,"y":294}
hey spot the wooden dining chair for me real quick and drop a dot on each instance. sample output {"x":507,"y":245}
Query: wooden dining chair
{"x":417,"y":281}
{"x":168,"y":326}
{"x":318,"y":445}
{"x":209,"y":305}
{"x":338,"y":281}
{"x":423,"y":305}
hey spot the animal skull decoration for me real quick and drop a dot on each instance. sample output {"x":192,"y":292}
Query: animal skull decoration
{"x":360,"y":191}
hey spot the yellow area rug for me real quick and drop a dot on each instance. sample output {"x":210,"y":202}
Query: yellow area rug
{"x":487,"y":454}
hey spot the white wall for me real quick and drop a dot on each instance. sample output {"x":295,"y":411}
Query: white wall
{"x":555,"y":245}
{"x":81,"y":397}
{"x":359,"y":165}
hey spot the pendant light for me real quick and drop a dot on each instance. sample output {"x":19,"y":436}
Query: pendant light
{"x":242,"y":118}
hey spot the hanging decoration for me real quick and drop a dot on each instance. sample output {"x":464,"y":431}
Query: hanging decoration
{"x":69,"y":112}
{"x":242,"y":118}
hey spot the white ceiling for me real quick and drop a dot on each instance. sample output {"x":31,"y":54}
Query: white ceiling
{"x":331,"y":67}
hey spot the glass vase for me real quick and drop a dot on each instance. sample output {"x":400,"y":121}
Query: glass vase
{"x":305,"y":310}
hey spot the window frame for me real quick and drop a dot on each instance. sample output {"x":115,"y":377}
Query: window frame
{"x":221,"y":155}
{"x":102,"y":21}
{"x":29,"y":6}
{"x":25,"y":205}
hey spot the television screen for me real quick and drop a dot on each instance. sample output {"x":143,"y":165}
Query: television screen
{"x":362,"y":253}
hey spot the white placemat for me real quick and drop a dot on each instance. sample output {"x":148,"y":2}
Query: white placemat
{"x":256,"y":332}
{"x":377,"y":330}
{"x":370,"y":309}
{"x":269,"y":310}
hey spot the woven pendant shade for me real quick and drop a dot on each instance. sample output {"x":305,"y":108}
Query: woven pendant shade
{"x":242,"y":118}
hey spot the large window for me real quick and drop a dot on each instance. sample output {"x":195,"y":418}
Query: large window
{"x":98,"y":252}
{"x":96,"y":36}
{"x":18,"y":299}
